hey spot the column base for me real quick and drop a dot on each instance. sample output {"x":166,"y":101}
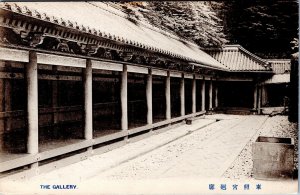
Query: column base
{"x":254,"y":111}
{"x":210,"y":111}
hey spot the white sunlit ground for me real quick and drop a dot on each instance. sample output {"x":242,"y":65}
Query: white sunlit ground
{"x":222,"y":149}
{"x":219,"y":152}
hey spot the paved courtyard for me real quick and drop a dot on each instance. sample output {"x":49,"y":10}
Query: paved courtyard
{"x":215,"y":148}
{"x":207,"y":152}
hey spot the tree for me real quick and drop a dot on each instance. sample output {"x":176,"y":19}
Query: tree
{"x":265,"y":27}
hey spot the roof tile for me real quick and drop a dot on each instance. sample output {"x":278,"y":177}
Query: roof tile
{"x":105,"y":18}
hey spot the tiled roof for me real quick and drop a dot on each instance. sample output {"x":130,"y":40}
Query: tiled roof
{"x":280,"y":66}
{"x":278,"y":78}
{"x":236,"y":58}
{"x":105,"y":21}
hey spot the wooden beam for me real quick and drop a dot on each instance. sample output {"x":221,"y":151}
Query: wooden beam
{"x":51,"y":59}
{"x":175,"y":74}
{"x":137,"y":69}
{"x":106,"y":65}
{"x":106,"y":138}
{"x":65,"y":149}
{"x":159,"y":72}
{"x":140,"y":129}
{"x":199,"y":77}
{"x":188,"y":76}
{"x":23,"y":160}
{"x":32,"y":103}
{"x":8,"y":54}
{"x":207,"y":78}
{"x":236,"y":79}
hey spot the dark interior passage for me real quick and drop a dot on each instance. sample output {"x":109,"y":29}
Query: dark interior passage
{"x":106,"y":102}
{"x":198,"y":95}
{"x":60,"y":104}
{"x":207,"y":83}
{"x":214,"y":85}
{"x":188,"y":95}
{"x":277,"y":95}
{"x":159,"y":98}
{"x":13,"y":98}
{"x":175,"y":97}
{"x":137,"y":105}
{"x":236,"y":94}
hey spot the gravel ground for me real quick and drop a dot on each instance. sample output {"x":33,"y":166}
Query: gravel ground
{"x":207,"y":152}
{"x":161,"y":162}
{"x":277,"y":126}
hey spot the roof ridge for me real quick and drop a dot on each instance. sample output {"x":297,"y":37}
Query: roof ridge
{"x":248,"y":52}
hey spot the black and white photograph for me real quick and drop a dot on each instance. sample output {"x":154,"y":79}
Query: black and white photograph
{"x":149,"y":97}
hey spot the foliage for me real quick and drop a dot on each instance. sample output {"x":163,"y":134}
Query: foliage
{"x":265,"y":27}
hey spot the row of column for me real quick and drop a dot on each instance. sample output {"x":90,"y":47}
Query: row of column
{"x":32,"y":103}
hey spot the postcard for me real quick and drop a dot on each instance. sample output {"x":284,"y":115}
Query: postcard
{"x":149,"y":97}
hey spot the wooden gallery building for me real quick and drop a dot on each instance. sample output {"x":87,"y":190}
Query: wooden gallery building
{"x":86,"y":78}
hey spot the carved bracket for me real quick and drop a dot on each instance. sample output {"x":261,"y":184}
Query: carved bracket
{"x":188,"y":67}
{"x":151,"y":60}
{"x":33,"y":38}
{"x":63,"y":46}
{"x":126,"y":56}
{"x":89,"y":49}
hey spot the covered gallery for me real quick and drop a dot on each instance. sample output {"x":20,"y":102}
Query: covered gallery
{"x":268,"y":78}
{"x":74,"y":84}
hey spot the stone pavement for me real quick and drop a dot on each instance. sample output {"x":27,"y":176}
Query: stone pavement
{"x":207,"y":152}
{"x":206,"y":149}
{"x":183,"y":160}
{"x":97,"y":164}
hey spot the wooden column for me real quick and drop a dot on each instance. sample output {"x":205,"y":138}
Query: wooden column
{"x":124,"y":109}
{"x":182,"y":101}
{"x":2,"y":109}
{"x":203,"y":96}
{"x":32,"y":104}
{"x":55,"y":118}
{"x":264,"y":94}
{"x":216,"y":97}
{"x":168,"y":96}
{"x":7,"y":103}
{"x":149,"y":97}
{"x":210,"y":95}
{"x":194,"y":94}
{"x":255,"y":98}
{"x":259,"y":100}
{"x":88,"y":100}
